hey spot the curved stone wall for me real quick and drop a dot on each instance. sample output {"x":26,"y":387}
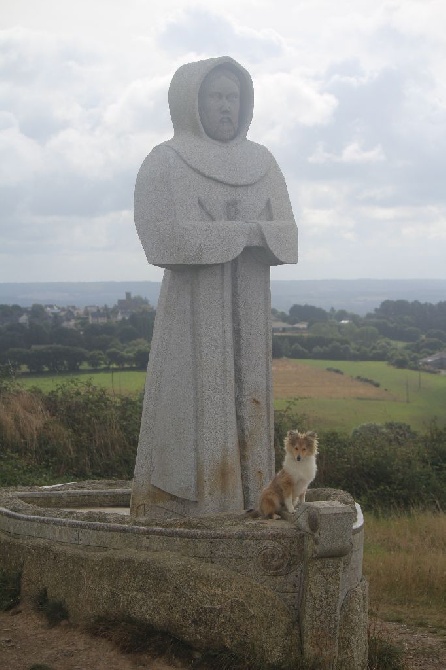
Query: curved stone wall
{"x":202,"y":579}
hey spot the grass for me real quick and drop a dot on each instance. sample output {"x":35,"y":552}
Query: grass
{"x":330,"y":401}
{"x":405,"y":563}
{"x":115,"y":381}
{"x":340,"y":402}
{"x":384,"y":654}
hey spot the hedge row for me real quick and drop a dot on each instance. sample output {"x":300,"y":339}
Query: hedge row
{"x":81,"y":431}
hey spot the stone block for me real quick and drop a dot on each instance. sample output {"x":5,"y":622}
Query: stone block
{"x":353,"y":629}
{"x":229,"y":576}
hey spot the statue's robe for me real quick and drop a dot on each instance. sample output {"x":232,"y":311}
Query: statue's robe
{"x":216,"y":216}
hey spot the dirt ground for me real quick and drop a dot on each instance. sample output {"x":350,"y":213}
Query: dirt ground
{"x":26,"y":640}
{"x":422,"y":650}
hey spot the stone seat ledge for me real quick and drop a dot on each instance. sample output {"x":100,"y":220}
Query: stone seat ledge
{"x":45,"y":505}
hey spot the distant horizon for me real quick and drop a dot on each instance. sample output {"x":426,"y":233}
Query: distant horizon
{"x":355,"y":295}
{"x":158,"y":281}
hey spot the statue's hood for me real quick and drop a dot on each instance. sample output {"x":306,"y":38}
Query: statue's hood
{"x":236,"y":162}
{"x":183,"y":98}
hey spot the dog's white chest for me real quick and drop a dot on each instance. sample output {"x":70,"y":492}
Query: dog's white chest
{"x":303,"y":470}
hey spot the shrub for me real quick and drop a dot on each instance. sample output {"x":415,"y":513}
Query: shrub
{"x":366,"y":380}
{"x":55,"y":611}
{"x":76,"y":430}
{"x":79,"y":430}
{"x":9,"y":589}
{"x":16,"y":471}
{"x":384,"y":654}
{"x":92,"y":433}
{"x":385,"y":467}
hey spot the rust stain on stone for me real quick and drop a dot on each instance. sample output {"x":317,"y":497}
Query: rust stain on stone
{"x":260,"y":479}
{"x":158,"y":496}
{"x":140,"y":509}
{"x":225,"y":477}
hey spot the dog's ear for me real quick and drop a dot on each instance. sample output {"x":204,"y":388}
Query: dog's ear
{"x":312,"y":434}
{"x":291,"y":432}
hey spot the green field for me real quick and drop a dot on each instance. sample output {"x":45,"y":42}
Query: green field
{"x":116,"y":381}
{"x":416,"y":398}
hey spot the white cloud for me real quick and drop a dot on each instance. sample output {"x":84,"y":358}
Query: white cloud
{"x":139,"y":107}
{"x":352,"y":153}
{"x":351,"y":98}
{"x":20,"y":156}
{"x":320,"y":221}
{"x":287,"y":100}
{"x":430,"y":230}
{"x":201,"y":31}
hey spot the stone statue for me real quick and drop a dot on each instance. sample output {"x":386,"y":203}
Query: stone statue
{"x":212,"y":208}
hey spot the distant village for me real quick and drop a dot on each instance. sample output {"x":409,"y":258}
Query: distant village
{"x":408,"y":335}
{"x":72,"y":317}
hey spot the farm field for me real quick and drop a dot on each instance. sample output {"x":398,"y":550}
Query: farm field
{"x":116,"y":381}
{"x":413,"y":397}
{"x":330,"y":400}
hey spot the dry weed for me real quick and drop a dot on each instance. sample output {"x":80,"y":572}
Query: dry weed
{"x":405,"y":561}
{"x":22,"y":417}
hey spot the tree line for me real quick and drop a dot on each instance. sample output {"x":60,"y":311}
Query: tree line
{"x":398,"y":331}
{"x":44,"y":343}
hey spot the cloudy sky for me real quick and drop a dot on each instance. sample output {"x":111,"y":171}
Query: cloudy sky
{"x":350,"y":98}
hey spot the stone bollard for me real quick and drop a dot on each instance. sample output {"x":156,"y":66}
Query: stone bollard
{"x":328,"y":545}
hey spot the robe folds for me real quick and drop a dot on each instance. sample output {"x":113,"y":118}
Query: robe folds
{"x":216,"y":217}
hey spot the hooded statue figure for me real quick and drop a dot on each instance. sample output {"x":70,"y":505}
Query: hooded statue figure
{"x":212,"y":208}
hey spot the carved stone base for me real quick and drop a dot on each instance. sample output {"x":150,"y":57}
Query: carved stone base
{"x":270,"y":590}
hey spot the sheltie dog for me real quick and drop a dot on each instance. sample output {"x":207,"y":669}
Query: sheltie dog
{"x":290,"y":484}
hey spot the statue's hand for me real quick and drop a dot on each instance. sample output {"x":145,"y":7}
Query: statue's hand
{"x":255,"y":235}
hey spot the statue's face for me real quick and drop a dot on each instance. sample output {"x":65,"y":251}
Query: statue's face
{"x":219,"y":108}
